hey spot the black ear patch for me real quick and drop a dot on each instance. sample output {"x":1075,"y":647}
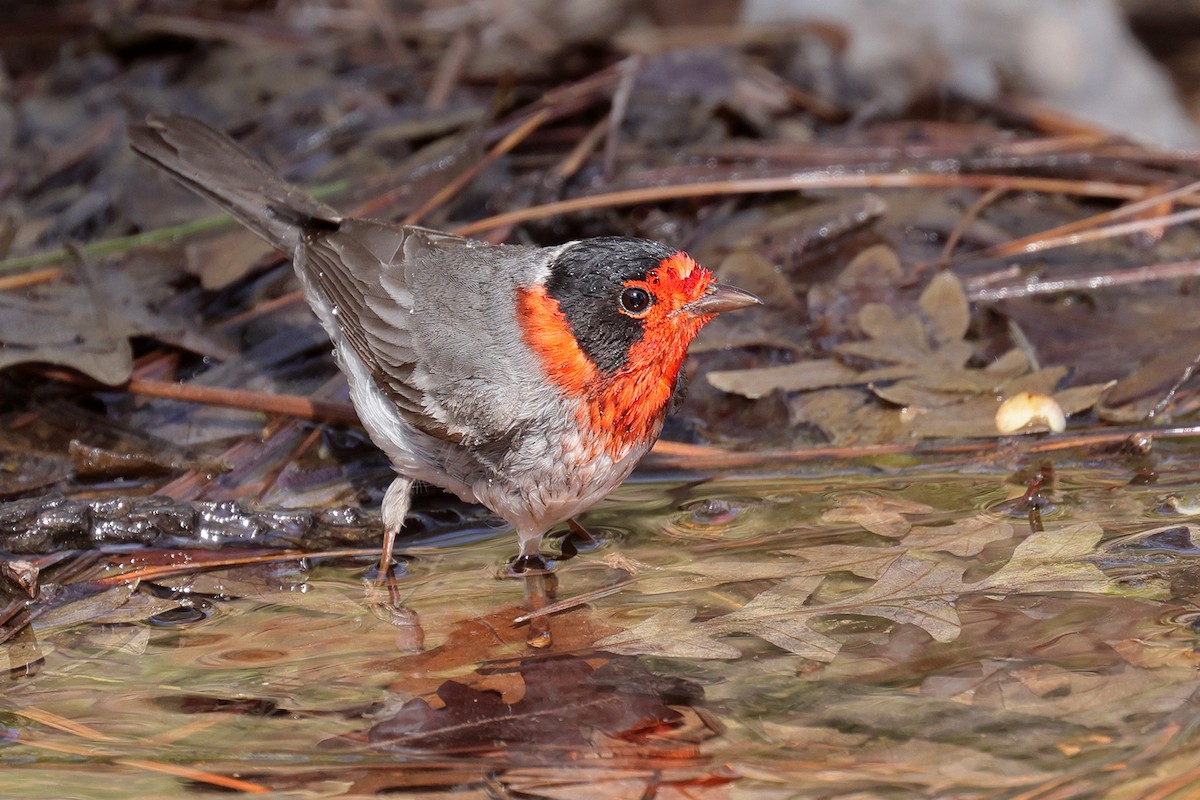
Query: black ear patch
{"x":587,"y":280}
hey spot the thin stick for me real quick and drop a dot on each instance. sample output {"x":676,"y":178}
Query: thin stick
{"x":454,"y":186}
{"x":985,"y":200}
{"x":581,"y":151}
{"x":572,"y":602}
{"x":704,"y":458}
{"x":263,"y":402}
{"x":262,"y":309}
{"x":620,"y":105}
{"x":802,"y":181}
{"x":1032,"y":242}
{"x":449,"y":69}
{"x":158,"y":571}
{"x":266,"y":402}
{"x":28,"y":279}
{"x":1104,"y":280}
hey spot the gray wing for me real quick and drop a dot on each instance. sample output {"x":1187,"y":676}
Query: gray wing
{"x":433,"y":317}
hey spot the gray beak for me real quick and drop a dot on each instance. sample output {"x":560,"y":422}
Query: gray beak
{"x":721,"y":298}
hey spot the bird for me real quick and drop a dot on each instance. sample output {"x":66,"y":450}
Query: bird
{"x":529,"y":379}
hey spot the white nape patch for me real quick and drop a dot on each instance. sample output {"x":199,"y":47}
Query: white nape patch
{"x":540,"y":275}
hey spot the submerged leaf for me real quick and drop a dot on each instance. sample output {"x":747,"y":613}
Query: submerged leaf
{"x":964,"y":538}
{"x":777,"y":616}
{"x":910,"y":586}
{"x":883,"y":516}
{"x":121,"y":603}
{"x":567,"y":704}
{"x":916,"y":589}
{"x":669,"y":633}
{"x":1052,"y":561}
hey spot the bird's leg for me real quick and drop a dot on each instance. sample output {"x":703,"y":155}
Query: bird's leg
{"x":579,"y":538}
{"x":393,"y":511}
{"x":389,"y":607}
{"x":540,"y":585}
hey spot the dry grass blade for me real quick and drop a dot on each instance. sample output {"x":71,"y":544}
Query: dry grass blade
{"x":200,"y":776}
{"x":1037,"y":241}
{"x":1107,"y":232}
{"x":799,"y":182}
{"x":28,"y":279}
{"x":1077,"y":283}
{"x":572,"y":602}
{"x":176,"y":770}
{"x":52,"y":720}
{"x":261,"y":402}
{"x":159,"y":571}
{"x":466,"y":176}
{"x":972,"y":213}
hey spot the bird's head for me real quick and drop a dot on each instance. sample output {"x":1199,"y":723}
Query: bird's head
{"x":611,"y":325}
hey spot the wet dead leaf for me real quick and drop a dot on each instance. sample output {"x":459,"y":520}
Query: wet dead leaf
{"x":1053,"y":561}
{"x":669,"y":633}
{"x":118,"y":604}
{"x":225,"y":257}
{"x":878,"y":266}
{"x":883,"y":516}
{"x":84,"y":320}
{"x":772,"y":616}
{"x":805,"y":376}
{"x":964,"y":538}
{"x":865,"y":562}
{"x":846,"y":416}
{"x":567,"y":704}
{"x":1107,"y":699}
{"x":910,"y":586}
{"x":1181,"y":540}
{"x":926,"y":374}
{"x":916,"y":589}
{"x":488,"y":638}
{"x":944,"y":304}
{"x":68,"y":329}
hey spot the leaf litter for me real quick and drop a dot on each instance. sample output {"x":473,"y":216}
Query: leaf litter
{"x":918,"y":362}
{"x":910,"y":586}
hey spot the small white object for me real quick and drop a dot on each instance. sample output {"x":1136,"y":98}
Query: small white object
{"x":1025,"y":408}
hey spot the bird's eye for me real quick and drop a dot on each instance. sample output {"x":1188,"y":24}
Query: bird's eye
{"x":635,"y":300}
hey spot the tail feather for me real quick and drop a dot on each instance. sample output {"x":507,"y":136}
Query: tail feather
{"x":211,"y":164}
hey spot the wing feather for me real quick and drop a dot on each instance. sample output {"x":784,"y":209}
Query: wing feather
{"x":462,"y":374}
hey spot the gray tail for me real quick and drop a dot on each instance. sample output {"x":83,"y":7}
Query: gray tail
{"x":211,"y":164}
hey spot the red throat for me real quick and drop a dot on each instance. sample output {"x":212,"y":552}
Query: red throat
{"x":626,"y":408}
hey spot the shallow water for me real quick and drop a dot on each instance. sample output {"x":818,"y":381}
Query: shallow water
{"x":764,"y":640}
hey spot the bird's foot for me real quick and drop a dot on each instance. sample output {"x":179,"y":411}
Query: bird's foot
{"x":525,"y":565}
{"x":386,"y":573}
{"x":386,"y":601}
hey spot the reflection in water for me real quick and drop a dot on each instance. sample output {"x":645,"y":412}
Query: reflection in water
{"x":885,"y":638}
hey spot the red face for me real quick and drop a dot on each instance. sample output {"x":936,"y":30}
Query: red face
{"x":652,"y":316}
